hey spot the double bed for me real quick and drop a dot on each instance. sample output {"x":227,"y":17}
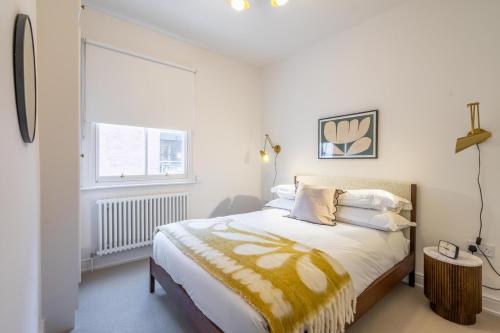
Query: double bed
{"x":376,"y":261}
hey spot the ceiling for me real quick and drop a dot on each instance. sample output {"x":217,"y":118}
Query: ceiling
{"x":259,"y":35}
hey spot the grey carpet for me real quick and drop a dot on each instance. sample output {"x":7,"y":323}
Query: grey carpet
{"x":117,"y":300}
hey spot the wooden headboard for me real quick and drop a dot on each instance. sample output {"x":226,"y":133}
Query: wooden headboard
{"x":402,"y":189}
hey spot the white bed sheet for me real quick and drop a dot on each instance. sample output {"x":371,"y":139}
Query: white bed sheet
{"x":365,"y":253}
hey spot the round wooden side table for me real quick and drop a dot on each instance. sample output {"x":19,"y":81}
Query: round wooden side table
{"x":453,"y":286}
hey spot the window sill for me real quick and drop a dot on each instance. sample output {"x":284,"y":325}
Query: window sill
{"x":108,"y":186}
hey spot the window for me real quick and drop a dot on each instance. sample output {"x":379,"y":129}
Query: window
{"x":135,"y":133}
{"x":128,"y":153}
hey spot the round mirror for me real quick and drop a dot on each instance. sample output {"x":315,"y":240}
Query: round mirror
{"x":25,"y":77}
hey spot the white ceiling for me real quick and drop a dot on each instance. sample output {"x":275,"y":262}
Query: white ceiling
{"x":260,"y":35}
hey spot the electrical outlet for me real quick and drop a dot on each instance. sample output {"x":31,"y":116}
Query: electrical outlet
{"x":488,"y":249}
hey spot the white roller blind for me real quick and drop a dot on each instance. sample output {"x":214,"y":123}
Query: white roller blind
{"x":122,"y":88}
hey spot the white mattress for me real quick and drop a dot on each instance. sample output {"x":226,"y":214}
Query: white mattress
{"x":365,"y":253}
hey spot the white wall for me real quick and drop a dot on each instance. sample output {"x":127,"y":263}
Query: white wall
{"x":59,"y":61}
{"x":419,"y":64}
{"x":19,"y":194}
{"x":227,"y":135}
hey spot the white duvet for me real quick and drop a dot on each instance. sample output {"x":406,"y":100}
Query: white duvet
{"x":365,"y":253}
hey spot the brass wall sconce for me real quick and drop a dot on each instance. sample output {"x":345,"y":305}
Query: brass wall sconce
{"x":276,"y":148}
{"x":476,"y":135}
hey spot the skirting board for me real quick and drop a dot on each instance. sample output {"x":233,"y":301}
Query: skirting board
{"x":491,"y":304}
{"x":41,"y":326}
{"x":116,"y":259}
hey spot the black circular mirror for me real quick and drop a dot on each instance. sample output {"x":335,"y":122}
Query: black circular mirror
{"x":25,"y":77}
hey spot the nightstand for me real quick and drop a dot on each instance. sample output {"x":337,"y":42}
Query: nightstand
{"x":453,"y":286}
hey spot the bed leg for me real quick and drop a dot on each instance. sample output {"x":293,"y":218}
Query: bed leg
{"x":411,"y":279}
{"x":151,"y":284}
{"x":151,"y":277}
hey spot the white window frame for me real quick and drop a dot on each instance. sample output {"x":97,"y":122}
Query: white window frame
{"x":90,"y":165}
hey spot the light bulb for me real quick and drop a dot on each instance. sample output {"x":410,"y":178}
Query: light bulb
{"x":265,"y":156}
{"x":240,"y":5}
{"x":277,"y":3}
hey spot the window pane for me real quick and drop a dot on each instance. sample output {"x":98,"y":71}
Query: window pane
{"x":121,"y":150}
{"x":166,"y":152}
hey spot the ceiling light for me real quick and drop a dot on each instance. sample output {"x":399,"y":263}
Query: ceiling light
{"x":240,"y":5}
{"x":277,"y":3}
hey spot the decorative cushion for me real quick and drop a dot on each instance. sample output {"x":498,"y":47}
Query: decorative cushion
{"x":315,"y":204}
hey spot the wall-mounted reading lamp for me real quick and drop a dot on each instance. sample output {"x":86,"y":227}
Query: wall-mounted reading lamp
{"x":476,"y":135}
{"x":275,"y":148}
{"x":265,"y":155}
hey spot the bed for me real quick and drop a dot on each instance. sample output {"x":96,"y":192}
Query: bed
{"x":376,"y":260}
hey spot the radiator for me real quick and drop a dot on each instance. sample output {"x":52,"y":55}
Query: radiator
{"x":128,"y":223}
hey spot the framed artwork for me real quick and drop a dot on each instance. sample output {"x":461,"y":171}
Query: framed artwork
{"x":351,"y":136}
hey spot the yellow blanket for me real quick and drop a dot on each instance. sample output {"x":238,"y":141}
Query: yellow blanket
{"x":294,"y":287}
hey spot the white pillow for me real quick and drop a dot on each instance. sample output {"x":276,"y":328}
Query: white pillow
{"x":369,"y":218}
{"x":284,"y":191}
{"x":315,"y":204}
{"x":374,"y":199}
{"x":280,"y":203}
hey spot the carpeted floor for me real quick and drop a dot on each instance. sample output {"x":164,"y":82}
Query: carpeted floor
{"x":116,"y":300}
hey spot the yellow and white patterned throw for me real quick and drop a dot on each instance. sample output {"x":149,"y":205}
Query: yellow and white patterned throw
{"x":294,"y":287}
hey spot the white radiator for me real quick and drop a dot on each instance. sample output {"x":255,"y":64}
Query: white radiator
{"x":128,"y":223}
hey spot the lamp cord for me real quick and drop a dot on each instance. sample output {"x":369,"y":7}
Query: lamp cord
{"x":275,"y":169}
{"x":481,"y":218}
{"x":480,"y":191}
{"x":275,"y":173}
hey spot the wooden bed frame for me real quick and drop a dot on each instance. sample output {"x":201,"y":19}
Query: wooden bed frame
{"x":365,"y":301}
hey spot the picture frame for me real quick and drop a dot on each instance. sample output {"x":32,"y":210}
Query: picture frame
{"x":349,"y":136}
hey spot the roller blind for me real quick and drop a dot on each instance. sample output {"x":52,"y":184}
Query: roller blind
{"x":127,"y":89}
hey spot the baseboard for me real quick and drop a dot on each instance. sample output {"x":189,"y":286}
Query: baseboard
{"x":419,"y":279}
{"x":116,"y":259}
{"x":491,"y":304}
{"x":41,"y":326}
